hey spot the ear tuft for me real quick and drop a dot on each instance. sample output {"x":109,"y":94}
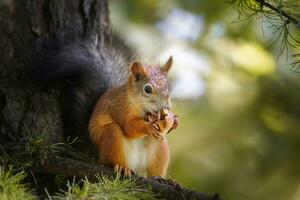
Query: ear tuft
{"x":137,"y":70}
{"x":167,"y":66}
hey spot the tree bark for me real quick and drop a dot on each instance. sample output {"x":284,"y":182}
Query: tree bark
{"x":24,"y":106}
{"x":69,"y":167}
{"x":27,"y":110}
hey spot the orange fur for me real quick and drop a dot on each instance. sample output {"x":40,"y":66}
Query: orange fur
{"x":124,"y":139}
{"x":159,"y":164}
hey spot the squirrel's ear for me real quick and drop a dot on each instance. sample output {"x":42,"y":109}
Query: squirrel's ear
{"x":137,"y":70}
{"x":167,"y":66}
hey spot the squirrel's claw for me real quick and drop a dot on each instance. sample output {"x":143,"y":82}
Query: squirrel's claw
{"x":150,"y":117}
{"x":156,"y":134}
{"x":117,"y":168}
{"x":126,"y":171}
{"x":157,"y":126}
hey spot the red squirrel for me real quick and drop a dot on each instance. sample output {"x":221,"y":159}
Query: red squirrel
{"x":121,"y":104}
{"x":130,"y":122}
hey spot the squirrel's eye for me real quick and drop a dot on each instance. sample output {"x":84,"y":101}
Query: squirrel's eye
{"x":148,"y":89}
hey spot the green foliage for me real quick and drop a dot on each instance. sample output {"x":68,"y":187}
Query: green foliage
{"x":31,"y":152}
{"x":282,"y":19}
{"x":36,"y":144}
{"x":211,"y":11}
{"x":11,"y":187}
{"x":105,"y":188}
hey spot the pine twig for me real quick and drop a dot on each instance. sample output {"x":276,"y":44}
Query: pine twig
{"x":277,"y":10}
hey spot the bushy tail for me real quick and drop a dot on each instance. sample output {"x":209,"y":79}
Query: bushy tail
{"x":89,"y":71}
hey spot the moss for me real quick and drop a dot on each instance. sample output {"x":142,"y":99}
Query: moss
{"x":105,"y":188}
{"x":12,"y":188}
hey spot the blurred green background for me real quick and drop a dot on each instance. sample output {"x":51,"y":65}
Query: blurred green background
{"x":239,"y":103}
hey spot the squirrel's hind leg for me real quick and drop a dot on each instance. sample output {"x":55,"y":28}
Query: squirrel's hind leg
{"x":159,"y":163}
{"x":111,"y":149}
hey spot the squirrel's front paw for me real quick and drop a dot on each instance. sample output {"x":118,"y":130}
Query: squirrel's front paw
{"x":165,"y":124}
{"x":160,"y":123}
{"x":154,"y":131}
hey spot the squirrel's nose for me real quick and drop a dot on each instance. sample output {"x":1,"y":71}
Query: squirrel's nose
{"x":165,"y":104}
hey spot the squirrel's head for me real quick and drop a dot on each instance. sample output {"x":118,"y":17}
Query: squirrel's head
{"x":151,"y":86}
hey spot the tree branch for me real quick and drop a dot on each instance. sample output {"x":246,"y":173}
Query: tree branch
{"x":69,"y":167}
{"x":277,"y":10}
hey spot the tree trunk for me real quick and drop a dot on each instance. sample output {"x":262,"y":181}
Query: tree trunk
{"x":27,"y":110}
{"x":24,"y":107}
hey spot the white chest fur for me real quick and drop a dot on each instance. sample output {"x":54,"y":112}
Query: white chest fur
{"x":138,"y":152}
